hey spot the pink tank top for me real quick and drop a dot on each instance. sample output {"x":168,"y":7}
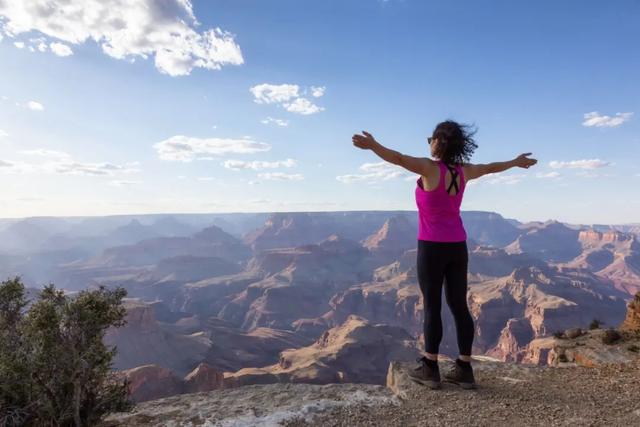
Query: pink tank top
{"x":438,"y":212}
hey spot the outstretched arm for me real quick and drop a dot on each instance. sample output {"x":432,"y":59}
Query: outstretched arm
{"x":417,"y":165}
{"x":476,"y":171}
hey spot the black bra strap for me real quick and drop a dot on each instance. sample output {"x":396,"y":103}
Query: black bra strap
{"x":454,"y":175}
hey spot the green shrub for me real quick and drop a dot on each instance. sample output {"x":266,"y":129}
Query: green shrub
{"x":54,"y":366}
{"x":596,"y":324}
{"x":610,"y":336}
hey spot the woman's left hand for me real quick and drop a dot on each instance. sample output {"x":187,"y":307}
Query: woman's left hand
{"x":366,"y":141}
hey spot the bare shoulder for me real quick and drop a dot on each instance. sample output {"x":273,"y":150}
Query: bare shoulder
{"x":430,"y":166}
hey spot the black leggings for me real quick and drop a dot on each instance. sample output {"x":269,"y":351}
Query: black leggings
{"x":448,"y":261}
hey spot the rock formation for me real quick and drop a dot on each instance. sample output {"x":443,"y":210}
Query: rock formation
{"x":355,"y":351}
{"x":632,"y":320}
{"x":151,"y":382}
{"x":143,"y":341}
{"x":588,"y":349}
{"x":554,"y":242}
{"x":396,"y":236}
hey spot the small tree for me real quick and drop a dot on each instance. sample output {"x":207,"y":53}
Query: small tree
{"x":596,"y":324}
{"x":54,"y":366}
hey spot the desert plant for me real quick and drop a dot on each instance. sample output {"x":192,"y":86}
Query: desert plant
{"x":634,"y":348}
{"x":558,"y":334}
{"x":610,"y":336}
{"x":54,"y":366}
{"x":595,"y":324}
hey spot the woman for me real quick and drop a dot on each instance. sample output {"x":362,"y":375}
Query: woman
{"x":442,"y":247}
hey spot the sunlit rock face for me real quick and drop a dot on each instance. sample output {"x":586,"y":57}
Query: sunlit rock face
{"x":632,"y":320}
{"x":355,"y":351}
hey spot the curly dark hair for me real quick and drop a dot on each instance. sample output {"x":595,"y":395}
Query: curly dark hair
{"x":455,"y":142}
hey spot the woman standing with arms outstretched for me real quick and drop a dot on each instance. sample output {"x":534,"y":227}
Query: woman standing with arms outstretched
{"x":442,"y":240}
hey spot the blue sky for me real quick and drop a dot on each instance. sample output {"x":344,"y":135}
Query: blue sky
{"x":117,"y":116}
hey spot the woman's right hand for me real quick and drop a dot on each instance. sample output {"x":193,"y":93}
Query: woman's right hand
{"x":523,"y":162}
{"x":365,"y":142}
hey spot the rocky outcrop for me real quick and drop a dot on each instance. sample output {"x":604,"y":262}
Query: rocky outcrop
{"x":632,"y":320}
{"x":513,"y":338}
{"x":151,"y":382}
{"x":589,"y":349}
{"x":399,"y":382}
{"x":203,"y":378}
{"x":255,"y":405}
{"x":506,"y":394}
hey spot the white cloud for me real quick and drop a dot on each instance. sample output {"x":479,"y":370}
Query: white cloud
{"x":258,"y":164}
{"x":279,"y":122}
{"x":61,"y":49}
{"x":46,"y":153}
{"x":19,"y":45}
{"x":381,"y":171}
{"x":552,"y":174}
{"x":317,"y":91}
{"x":35,"y":106}
{"x":94,"y":169}
{"x":125,"y":29}
{"x":122,"y":183}
{"x":302,"y":106}
{"x":280,"y":176}
{"x":185,"y":149}
{"x":57,"y":162}
{"x":495,"y":178}
{"x":595,"y":119}
{"x":268,"y":94}
{"x":579,"y":164}
{"x":287,"y":95}
{"x":3,"y":134}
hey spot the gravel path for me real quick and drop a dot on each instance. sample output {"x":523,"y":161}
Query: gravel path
{"x":576,"y":396}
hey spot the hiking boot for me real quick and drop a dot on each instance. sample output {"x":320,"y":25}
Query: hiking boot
{"x":425,"y":373}
{"x":461,"y":375}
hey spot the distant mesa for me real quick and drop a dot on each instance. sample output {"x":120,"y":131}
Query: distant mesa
{"x":551,"y":241}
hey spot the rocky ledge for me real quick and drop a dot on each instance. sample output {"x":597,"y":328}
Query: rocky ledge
{"x":506,"y":394}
